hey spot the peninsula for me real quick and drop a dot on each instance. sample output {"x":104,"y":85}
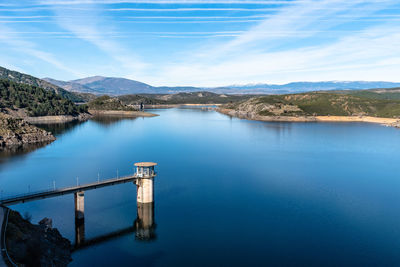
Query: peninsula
{"x":318,"y":106}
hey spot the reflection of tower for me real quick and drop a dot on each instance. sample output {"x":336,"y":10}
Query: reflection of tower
{"x":144,"y":224}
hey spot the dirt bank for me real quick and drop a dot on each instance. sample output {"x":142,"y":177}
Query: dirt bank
{"x":121,"y":113}
{"x":58,"y":119}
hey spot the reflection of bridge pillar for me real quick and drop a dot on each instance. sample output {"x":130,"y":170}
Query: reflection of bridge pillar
{"x":79,"y":232}
{"x":79,"y":198}
{"x":79,"y":205}
{"x":144,"y":224}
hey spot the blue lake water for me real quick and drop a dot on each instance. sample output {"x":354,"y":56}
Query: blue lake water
{"x":229,"y":192}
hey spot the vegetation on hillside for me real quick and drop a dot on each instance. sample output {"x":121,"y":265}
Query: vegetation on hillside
{"x":108,"y":103}
{"x":19,"y":77}
{"x":35,"y":100}
{"x":321,"y":104}
{"x":388,"y":94}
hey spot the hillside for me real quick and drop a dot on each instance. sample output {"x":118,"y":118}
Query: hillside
{"x":19,"y":77}
{"x":388,"y":94}
{"x":35,"y":101}
{"x":108,"y":103}
{"x":318,"y":104}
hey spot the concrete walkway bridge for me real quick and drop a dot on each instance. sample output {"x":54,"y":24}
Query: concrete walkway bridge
{"x":144,"y":224}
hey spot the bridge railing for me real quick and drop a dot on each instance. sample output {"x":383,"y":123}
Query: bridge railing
{"x":55,"y":190}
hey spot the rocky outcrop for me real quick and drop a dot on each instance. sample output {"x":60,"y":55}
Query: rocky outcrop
{"x":36,"y":245}
{"x":254,"y":107}
{"x":395,"y":124}
{"x":16,"y":132}
{"x":251,"y":115}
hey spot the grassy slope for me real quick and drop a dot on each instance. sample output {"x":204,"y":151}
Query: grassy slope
{"x":328,"y":103}
{"x":388,"y":94}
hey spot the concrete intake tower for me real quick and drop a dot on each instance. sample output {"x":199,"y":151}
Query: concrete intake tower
{"x":144,"y":180}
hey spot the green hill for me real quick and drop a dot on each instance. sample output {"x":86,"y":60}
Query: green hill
{"x":35,"y":101}
{"x":19,"y":77}
{"x":321,"y":104}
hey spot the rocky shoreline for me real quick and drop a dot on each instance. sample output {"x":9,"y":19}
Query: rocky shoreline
{"x":35,"y":245}
{"x":17,"y":132}
{"x":242,"y":114}
{"x":58,"y":119}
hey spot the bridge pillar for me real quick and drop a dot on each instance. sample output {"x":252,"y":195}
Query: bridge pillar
{"x":145,"y":175}
{"x":79,"y":198}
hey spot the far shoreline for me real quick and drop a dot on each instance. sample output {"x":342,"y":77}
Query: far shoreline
{"x":87,"y":116}
{"x":392,"y":122}
{"x":122,"y":113}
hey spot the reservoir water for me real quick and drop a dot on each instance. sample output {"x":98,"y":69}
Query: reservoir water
{"x":229,"y":192}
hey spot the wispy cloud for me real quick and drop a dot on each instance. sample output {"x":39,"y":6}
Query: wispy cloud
{"x":256,"y":55}
{"x":182,"y":2}
{"x":28,"y":48}
{"x":91,"y":28}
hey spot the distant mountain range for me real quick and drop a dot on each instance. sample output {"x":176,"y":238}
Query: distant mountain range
{"x":100,"y":85}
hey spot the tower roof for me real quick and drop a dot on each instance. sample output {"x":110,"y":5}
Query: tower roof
{"x":145,"y":164}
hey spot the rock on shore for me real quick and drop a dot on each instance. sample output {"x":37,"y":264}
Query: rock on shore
{"x":36,"y":245}
{"x":16,"y":132}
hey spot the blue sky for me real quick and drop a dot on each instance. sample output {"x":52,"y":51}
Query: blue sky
{"x":203,"y":43}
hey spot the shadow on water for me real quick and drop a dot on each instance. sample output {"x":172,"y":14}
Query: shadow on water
{"x":59,"y":128}
{"x":56,"y":129}
{"x":7,"y":153}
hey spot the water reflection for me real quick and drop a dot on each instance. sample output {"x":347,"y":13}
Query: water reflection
{"x":144,"y":223}
{"x":59,"y":128}
{"x":7,"y":153}
{"x":143,"y":227}
{"x":110,"y":120}
{"x":79,"y":232}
